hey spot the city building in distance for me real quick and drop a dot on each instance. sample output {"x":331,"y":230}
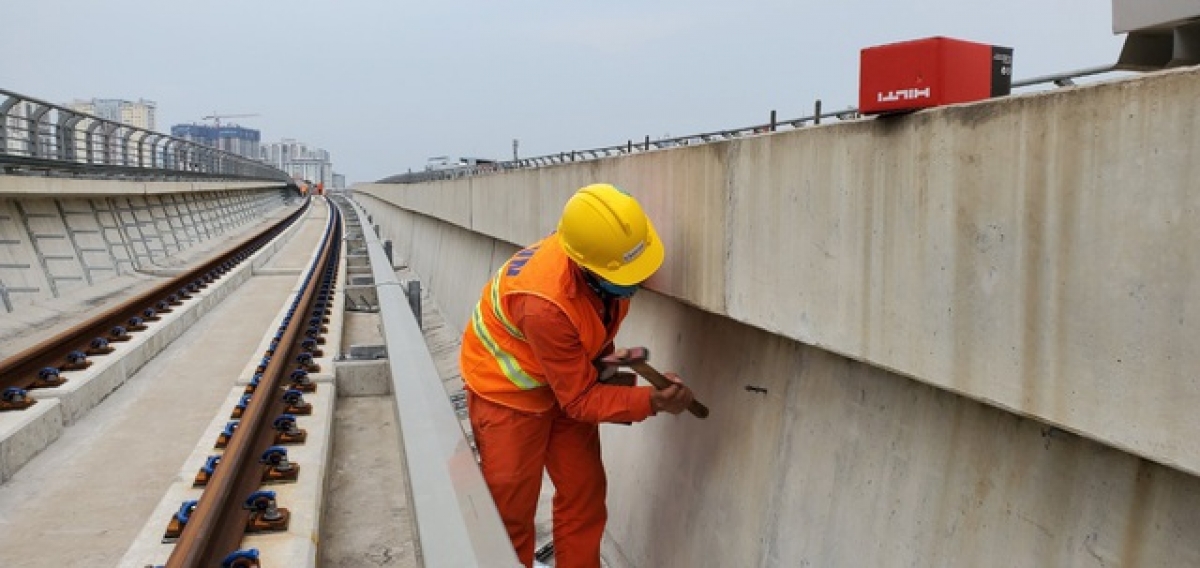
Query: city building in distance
{"x":140,"y":113}
{"x":228,"y":137}
{"x":303,"y":162}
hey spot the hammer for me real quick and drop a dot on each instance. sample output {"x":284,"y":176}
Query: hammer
{"x":636,"y":358}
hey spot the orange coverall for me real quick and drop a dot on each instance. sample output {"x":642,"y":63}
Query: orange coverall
{"x":515,"y":445}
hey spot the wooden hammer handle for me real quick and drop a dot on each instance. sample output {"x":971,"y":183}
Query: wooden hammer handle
{"x":660,"y":382}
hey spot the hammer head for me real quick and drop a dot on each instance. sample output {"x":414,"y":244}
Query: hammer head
{"x":626,"y":357}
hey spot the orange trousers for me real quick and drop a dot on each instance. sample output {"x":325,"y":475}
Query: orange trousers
{"x":514,"y":449}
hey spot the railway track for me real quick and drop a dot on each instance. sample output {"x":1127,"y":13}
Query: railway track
{"x":254,"y":456}
{"x":49,"y":364}
{"x":234,"y":502}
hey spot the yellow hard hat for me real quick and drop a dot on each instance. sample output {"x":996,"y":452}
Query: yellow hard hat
{"x":605,"y":230}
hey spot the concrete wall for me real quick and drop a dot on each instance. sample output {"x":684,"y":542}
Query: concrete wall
{"x":1035,"y":254}
{"x":59,"y":235}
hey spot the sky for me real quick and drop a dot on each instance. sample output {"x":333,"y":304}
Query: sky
{"x":385,"y":84}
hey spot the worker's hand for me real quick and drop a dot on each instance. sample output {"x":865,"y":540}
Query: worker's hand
{"x":673,"y":399}
{"x":619,"y":354}
{"x":624,"y":356}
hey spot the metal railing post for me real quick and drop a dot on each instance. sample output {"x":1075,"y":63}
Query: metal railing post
{"x":50,"y":133}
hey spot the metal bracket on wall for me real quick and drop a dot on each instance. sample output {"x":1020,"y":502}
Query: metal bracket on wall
{"x":363,"y":304}
{"x":412,"y":290}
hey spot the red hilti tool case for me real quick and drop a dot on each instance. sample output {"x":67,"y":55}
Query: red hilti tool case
{"x":929,"y":72}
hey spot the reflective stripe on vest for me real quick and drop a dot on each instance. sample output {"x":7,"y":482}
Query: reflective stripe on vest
{"x":508,"y":364}
{"x":498,"y":312}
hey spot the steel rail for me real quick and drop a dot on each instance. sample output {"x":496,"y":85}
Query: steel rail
{"x":22,"y":370}
{"x":219,"y":521}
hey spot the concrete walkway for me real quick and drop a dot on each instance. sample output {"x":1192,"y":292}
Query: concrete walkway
{"x":367,"y":515}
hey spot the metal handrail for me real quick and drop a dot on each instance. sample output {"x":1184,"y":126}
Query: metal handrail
{"x":1065,"y":79}
{"x":628,"y":148}
{"x":39,"y":135}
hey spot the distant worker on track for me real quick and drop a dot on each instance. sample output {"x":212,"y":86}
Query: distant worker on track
{"x":530,"y":362}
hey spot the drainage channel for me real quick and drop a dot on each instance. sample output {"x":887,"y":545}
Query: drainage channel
{"x":456,"y":519}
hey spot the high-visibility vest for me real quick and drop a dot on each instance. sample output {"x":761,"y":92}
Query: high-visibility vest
{"x":496,"y":362}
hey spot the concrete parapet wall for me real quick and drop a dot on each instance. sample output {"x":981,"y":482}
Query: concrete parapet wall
{"x":58,"y":239}
{"x":832,"y":462}
{"x":11,"y":186}
{"x":1034,"y":253}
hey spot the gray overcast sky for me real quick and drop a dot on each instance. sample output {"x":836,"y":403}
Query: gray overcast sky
{"x":383,"y":85}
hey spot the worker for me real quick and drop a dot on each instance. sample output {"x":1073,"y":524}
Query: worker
{"x":530,"y":360}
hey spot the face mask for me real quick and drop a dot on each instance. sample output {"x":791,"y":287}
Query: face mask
{"x":616,"y":289}
{"x":604,"y":287}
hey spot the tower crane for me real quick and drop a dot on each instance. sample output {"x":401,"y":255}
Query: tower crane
{"x":216,"y":118}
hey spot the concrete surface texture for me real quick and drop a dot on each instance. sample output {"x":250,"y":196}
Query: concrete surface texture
{"x":24,"y":434}
{"x":1032,"y":253}
{"x":297,"y":546}
{"x":95,"y":467}
{"x":456,"y":521}
{"x":71,"y":505}
{"x":368,"y":519}
{"x":17,"y":186}
{"x":54,"y":243}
